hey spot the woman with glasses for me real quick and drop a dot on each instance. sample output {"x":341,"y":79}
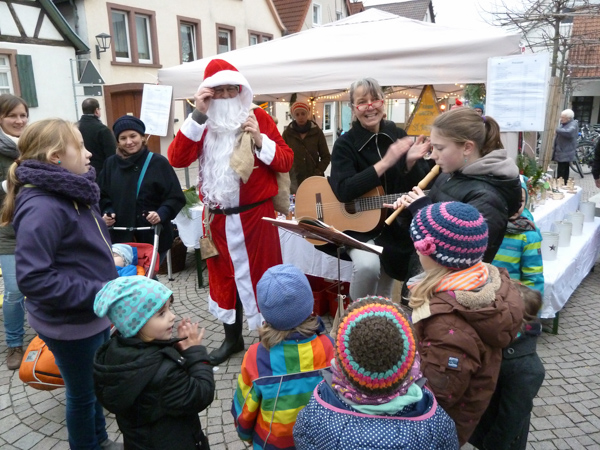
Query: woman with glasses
{"x":375,"y":152}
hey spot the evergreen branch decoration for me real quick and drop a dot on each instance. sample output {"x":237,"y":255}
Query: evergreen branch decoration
{"x":191,"y":200}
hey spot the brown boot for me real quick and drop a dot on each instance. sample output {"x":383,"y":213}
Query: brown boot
{"x":14,"y":358}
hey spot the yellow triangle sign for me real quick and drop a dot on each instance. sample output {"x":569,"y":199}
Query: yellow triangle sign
{"x":424,"y":114}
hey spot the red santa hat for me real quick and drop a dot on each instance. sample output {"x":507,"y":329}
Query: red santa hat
{"x":219,"y":72}
{"x":457,"y":104}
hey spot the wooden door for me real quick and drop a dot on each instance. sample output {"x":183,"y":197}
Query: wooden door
{"x":126,"y":99}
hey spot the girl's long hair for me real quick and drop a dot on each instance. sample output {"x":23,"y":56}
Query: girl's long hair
{"x":464,"y":124}
{"x":270,"y":337}
{"x":40,"y":141}
{"x":423,"y":291}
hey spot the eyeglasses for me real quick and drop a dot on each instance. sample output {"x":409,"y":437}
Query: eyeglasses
{"x":365,"y":106}
{"x":231,"y":90}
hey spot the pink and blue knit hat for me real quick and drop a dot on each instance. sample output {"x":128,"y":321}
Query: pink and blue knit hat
{"x":375,"y":346}
{"x":453,"y":234}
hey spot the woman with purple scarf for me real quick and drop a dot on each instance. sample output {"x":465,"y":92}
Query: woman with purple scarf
{"x":63,"y":258}
{"x":374,"y":397}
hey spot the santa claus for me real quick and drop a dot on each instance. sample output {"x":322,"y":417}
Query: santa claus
{"x":240,"y":152}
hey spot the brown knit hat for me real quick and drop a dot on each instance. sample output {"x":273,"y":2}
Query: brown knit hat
{"x":375,"y":346}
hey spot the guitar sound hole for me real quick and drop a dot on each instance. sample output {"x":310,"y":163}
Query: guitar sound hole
{"x":350,"y":208}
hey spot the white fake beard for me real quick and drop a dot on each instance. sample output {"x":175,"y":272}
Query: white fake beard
{"x":220,"y":184}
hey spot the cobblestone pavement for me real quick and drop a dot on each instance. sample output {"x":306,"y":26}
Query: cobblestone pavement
{"x":566,"y":413}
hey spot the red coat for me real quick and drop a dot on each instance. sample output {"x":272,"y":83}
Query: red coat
{"x":461,"y":346}
{"x":247,"y":245}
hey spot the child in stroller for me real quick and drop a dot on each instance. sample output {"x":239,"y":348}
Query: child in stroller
{"x":137,"y":255}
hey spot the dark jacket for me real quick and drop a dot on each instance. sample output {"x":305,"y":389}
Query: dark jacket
{"x":311,"y":154}
{"x":461,"y":344}
{"x":8,"y":153}
{"x":99,"y":140}
{"x":596,"y":164}
{"x":565,"y":142}
{"x":63,"y":259}
{"x":160,"y":191}
{"x":352,"y":175}
{"x":494,"y":189}
{"x":505,"y":424}
{"x":155,"y":391}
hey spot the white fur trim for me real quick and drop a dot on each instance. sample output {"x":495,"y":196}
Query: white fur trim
{"x":255,"y":321}
{"x":267,"y":152}
{"x":236,"y":243}
{"x":224,"y":315}
{"x":192,"y":129}
{"x":224,"y":77}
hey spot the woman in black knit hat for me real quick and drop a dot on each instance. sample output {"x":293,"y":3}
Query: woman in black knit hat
{"x":138,"y":188}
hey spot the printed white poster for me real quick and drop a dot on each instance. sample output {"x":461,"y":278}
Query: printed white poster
{"x":156,"y":108}
{"x":517,"y":89}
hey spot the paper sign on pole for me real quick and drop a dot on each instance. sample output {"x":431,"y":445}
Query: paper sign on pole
{"x":424,"y":114}
{"x":516,"y":91}
{"x":156,"y":108}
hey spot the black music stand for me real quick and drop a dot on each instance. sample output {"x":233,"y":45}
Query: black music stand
{"x":316,"y":230}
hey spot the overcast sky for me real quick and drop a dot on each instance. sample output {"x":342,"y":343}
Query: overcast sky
{"x":453,"y":12}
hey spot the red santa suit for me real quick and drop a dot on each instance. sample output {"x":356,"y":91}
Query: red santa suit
{"x":247,"y":245}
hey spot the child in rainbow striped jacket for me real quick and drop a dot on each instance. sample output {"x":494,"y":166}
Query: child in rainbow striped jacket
{"x":279,"y":373}
{"x":521,"y":250}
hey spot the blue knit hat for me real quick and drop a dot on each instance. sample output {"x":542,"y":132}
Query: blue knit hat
{"x":129,"y":302}
{"x":479,"y":106}
{"x":125,"y":123}
{"x":453,"y":234}
{"x":284,"y":297}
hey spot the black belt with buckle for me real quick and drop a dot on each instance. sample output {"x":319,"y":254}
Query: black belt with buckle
{"x":237,"y":209}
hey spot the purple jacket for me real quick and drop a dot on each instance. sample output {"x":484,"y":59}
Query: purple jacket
{"x":63,"y":258}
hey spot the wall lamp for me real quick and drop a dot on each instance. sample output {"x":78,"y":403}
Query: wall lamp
{"x":103,"y":43}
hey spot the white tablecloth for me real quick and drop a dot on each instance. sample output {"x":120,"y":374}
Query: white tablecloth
{"x":190,"y":228}
{"x":297,"y":251}
{"x":553,"y":210}
{"x":294,"y":249}
{"x":563,"y":275}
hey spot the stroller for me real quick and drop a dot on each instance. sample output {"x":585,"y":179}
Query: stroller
{"x":145,"y":256}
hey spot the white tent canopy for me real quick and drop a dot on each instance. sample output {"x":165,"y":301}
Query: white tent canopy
{"x":323,"y":60}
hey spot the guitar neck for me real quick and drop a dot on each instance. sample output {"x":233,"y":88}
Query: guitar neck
{"x":375,"y":202}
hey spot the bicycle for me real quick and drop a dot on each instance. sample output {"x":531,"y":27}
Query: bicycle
{"x":584,"y":158}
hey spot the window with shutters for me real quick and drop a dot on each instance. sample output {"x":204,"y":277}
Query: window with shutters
{"x":6,"y":84}
{"x":9,"y":81}
{"x":27,"y":80}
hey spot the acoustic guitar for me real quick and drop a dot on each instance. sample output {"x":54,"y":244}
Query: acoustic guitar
{"x":315,"y":199}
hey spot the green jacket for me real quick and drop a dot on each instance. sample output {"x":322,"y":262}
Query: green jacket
{"x":8,"y":154}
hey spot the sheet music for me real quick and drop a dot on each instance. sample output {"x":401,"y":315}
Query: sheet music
{"x":323,"y":232}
